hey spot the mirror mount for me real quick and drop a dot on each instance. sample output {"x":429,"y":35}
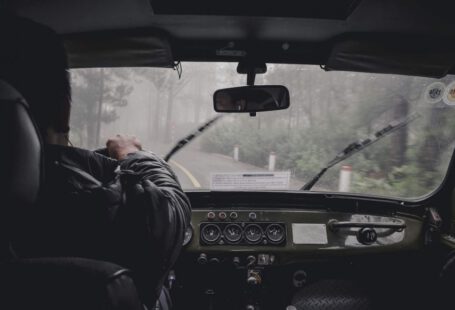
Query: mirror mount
{"x":251,"y":68}
{"x":250,"y":77}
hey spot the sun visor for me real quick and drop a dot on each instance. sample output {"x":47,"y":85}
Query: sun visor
{"x":397,"y":55}
{"x":144,"y":48}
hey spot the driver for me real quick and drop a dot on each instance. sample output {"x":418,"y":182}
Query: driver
{"x":127,"y":208}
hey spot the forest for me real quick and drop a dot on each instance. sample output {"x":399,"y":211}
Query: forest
{"x":328,"y":111}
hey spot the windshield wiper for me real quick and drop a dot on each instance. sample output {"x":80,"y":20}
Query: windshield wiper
{"x":190,"y":137}
{"x":357,"y":146}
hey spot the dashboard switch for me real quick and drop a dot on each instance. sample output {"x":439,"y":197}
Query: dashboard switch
{"x":214,"y":261}
{"x":263,"y":259}
{"x":367,"y":236}
{"x":251,"y":259}
{"x":211,"y":215}
{"x":236,"y":261}
{"x":233,"y":215}
{"x":252,"y":216}
{"x":202,"y":259}
{"x":222,"y":215}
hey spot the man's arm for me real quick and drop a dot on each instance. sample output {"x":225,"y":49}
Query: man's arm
{"x":147,"y":166}
{"x":155,"y":199}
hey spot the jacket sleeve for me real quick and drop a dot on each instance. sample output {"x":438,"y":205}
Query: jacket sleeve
{"x":148,"y":166}
{"x":158,"y":210}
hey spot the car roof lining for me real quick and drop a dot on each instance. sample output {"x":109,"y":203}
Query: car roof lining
{"x":193,"y":37}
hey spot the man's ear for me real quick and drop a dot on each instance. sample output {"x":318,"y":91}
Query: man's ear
{"x":53,"y":137}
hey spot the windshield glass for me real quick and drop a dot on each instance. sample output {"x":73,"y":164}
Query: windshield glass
{"x":277,"y":150}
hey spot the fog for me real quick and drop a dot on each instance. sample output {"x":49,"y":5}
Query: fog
{"x":328,"y":111}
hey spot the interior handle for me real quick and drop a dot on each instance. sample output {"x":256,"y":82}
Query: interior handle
{"x":334,"y":225}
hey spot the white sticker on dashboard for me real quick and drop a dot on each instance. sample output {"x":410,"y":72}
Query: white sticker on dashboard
{"x":276,"y":180}
{"x":309,"y":233}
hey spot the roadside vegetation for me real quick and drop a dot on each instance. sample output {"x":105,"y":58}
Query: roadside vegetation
{"x":329,"y":110}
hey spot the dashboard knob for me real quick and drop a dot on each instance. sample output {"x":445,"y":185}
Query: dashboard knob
{"x":252,"y":280}
{"x":211,"y":215}
{"x":214,"y":261}
{"x":367,"y":236}
{"x":299,"y":278}
{"x":254,"y":277}
{"x":222,"y":215}
{"x":202,"y":259}
{"x":233,"y":215}
{"x":252,"y":216}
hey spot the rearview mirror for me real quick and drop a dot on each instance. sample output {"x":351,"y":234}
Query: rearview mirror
{"x":250,"y":99}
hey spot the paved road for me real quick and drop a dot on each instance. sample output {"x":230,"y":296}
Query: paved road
{"x":194,"y":167}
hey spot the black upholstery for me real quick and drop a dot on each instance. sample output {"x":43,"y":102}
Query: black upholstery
{"x":44,"y":283}
{"x":332,"y":295}
{"x":21,"y":157}
{"x":66,"y":284}
{"x":20,"y":162}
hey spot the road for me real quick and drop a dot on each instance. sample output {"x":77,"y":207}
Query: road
{"x":193,"y":168}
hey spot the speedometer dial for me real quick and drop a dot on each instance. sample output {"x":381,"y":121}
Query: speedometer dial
{"x":211,"y":233}
{"x":253,"y":233}
{"x":275,"y":233}
{"x":233,"y":233}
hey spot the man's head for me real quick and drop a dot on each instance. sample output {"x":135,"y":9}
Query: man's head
{"x":33,"y":60}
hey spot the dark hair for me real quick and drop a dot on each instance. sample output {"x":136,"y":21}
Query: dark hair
{"x":33,"y":60}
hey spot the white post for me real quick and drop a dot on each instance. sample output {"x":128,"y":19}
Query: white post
{"x":344,"y":184}
{"x":236,"y":152}
{"x":272,"y":161}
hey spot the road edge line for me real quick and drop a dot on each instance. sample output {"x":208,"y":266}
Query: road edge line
{"x":190,"y":176}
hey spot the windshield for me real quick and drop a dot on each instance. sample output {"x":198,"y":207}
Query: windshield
{"x":277,"y":150}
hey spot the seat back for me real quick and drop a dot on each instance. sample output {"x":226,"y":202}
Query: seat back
{"x":21,"y":162}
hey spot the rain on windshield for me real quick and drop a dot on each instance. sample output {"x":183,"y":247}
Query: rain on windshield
{"x":278,"y":150}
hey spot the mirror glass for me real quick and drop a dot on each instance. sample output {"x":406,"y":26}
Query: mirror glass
{"x":251,"y":99}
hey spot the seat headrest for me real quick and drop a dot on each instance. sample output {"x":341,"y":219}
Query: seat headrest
{"x":33,"y":61}
{"x":21,"y":159}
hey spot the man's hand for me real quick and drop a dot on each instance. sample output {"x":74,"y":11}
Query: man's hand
{"x":120,"y":146}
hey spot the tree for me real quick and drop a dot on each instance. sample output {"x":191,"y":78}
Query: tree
{"x":97,"y":93}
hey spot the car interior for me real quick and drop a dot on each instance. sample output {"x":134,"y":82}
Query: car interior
{"x":250,"y":249}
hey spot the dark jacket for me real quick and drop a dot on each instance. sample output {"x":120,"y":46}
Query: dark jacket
{"x":132,"y":212}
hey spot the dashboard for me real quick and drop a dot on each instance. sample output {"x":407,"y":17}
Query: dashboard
{"x":255,"y":250}
{"x":276,"y":235}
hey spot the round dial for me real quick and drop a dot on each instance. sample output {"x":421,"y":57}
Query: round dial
{"x":233,"y":233}
{"x":188,"y":235}
{"x":367,"y":236}
{"x":211,"y":233}
{"x":253,"y":233}
{"x":275,"y":233}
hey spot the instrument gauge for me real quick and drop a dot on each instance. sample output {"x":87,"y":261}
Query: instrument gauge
{"x":253,"y":233}
{"x":211,"y":233}
{"x":233,"y":233}
{"x":275,"y":233}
